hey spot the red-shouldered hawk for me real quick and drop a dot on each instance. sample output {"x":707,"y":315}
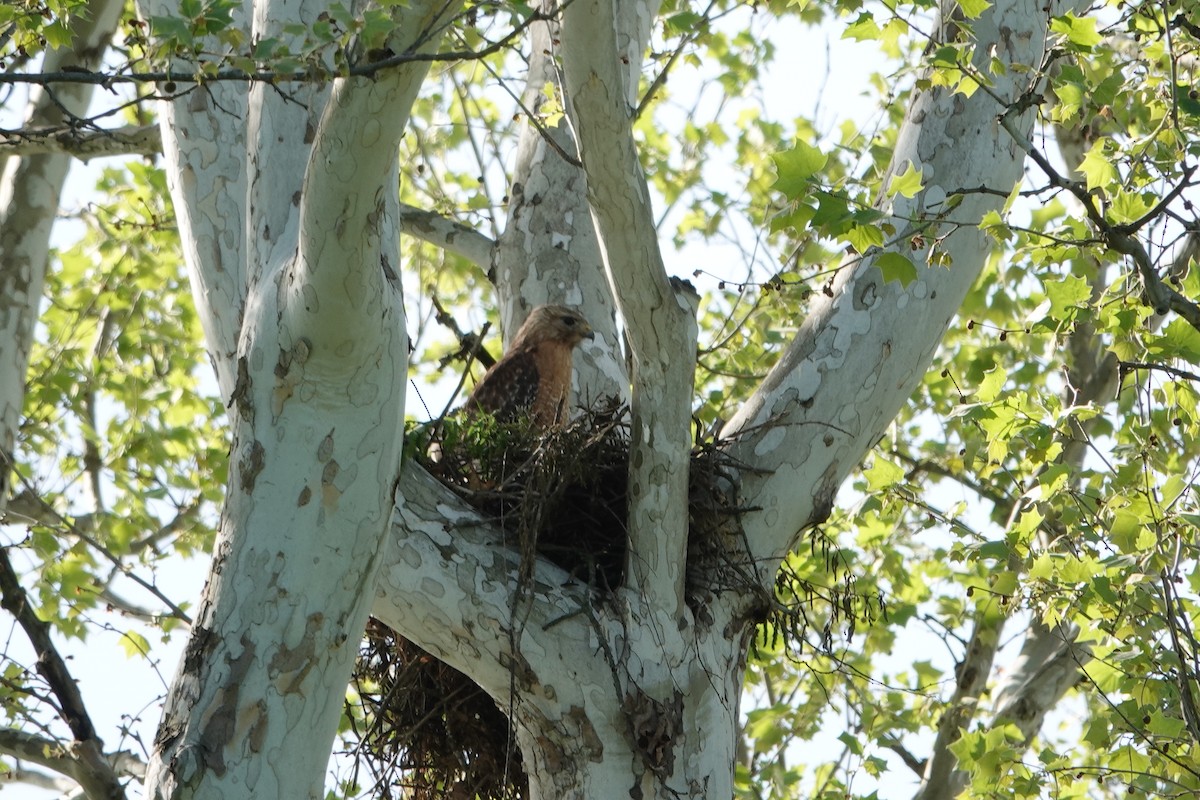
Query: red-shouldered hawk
{"x":534,"y":377}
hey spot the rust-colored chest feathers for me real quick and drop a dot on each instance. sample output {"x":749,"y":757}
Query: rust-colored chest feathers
{"x":534,"y":376}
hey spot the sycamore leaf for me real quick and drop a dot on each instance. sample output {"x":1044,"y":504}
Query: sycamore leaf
{"x":973,"y":8}
{"x":1069,"y":293}
{"x":896,"y":267}
{"x":1180,"y":340}
{"x":796,"y":166}
{"x":882,"y":474}
{"x":864,"y":237}
{"x":135,"y":645}
{"x":862,"y":29}
{"x":908,"y":183}
{"x":1079,"y":31}
{"x":1097,"y":168}
{"x":992,"y":383}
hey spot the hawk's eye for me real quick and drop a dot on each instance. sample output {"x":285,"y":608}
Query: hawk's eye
{"x":568,"y":321}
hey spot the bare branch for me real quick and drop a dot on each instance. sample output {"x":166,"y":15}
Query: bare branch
{"x":1182,"y":374}
{"x":82,"y":144}
{"x":448,"y":234}
{"x":60,"y":757}
{"x":19,"y":774}
{"x":912,"y":762}
{"x":92,"y":771}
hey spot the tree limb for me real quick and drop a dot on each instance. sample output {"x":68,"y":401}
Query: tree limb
{"x":549,"y":252}
{"x":661,"y":327}
{"x":437,"y":533}
{"x":1120,"y":238}
{"x":82,"y":144}
{"x":30,"y":190}
{"x":91,"y":769}
{"x":194,"y":77}
{"x":448,"y":234}
{"x":350,"y":177}
{"x":58,"y":757}
{"x":847,"y":372}
{"x":206,"y":163}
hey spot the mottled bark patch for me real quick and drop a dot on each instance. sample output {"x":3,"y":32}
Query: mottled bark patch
{"x":252,"y":462}
{"x":220,"y":724}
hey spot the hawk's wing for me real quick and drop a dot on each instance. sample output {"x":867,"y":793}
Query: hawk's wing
{"x":508,"y":389}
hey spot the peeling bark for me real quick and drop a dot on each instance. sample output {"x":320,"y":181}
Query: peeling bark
{"x":862,"y":351}
{"x":317,"y":401}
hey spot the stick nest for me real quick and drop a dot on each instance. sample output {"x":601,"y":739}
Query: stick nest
{"x":559,"y":495}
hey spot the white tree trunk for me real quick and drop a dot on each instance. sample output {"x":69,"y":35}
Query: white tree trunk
{"x":316,"y":376}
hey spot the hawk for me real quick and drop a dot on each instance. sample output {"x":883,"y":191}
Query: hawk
{"x":534,"y":376}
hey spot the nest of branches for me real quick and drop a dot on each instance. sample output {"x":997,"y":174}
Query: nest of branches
{"x":430,"y":732}
{"x":559,"y":495}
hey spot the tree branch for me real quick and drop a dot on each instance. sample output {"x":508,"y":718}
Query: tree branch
{"x":661,"y":327}
{"x":21,"y":775}
{"x":350,"y":176}
{"x":58,"y":757}
{"x":1129,"y":366}
{"x":32,"y":508}
{"x":1049,"y":662}
{"x":35,"y":184}
{"x":82,"y":144}
{"x":91,"y":769}
{"x":847,"y":372}
{"x":549,"y":252}
{"x":204,"y":146}
{"x":471,"y":613}
{"x":197,"y":77}
{"x":1120,"y":238}
{"x":448,"y":234}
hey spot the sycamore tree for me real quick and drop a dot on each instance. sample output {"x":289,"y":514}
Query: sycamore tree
{"x":321,"y":200}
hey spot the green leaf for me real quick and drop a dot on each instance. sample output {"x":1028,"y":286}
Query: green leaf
{"x":1098,"y":168}
{"x":991,"y":386}
{"x":864,"y":237}
{"x":1079,"y":31}
{"x":883,"y":473}
{"x":1064,"y":295}
{"x":896,"y":267}
{"x":795,"y":167}
{"x":973,"y":8}
{"x":1179,"y":340}
{"x":907,"y":183}
{"x":57,"y":34}
{"x":863,"y":29}
{"x":135,"y":645}
{"x":1129,"y":206}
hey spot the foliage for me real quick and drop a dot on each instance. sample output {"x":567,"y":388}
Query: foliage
{"x":121,"y":457}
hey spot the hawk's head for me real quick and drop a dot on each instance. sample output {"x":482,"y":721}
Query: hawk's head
{"x":553,"y":322}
